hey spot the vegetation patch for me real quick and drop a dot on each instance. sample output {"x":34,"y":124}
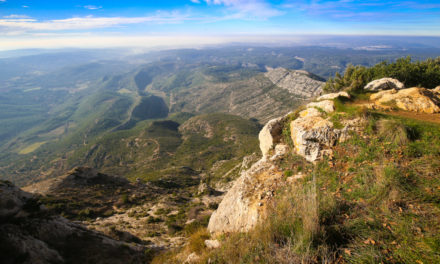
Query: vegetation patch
{"x":31,"y":148}
{"x":419,"y":73}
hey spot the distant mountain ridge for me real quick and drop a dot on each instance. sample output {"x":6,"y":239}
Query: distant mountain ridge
{"x":299,"y":82}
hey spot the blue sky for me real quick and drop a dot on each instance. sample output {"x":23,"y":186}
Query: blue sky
{"x":29,"y":23}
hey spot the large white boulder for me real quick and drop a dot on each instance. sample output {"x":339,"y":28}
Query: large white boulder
{"x":412,"y":99}
{"x":270,"y":135}
{"x":332,"y":96}
{"x":384,"y":84}
{"x":327,"y":106}
{"x":245,"y":204}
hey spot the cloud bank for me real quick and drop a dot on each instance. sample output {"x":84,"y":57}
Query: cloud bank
{"x":15,"y":22}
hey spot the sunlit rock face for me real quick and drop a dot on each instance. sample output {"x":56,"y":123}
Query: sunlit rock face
{"x":384,"y":84}
{"x":412,"y":99}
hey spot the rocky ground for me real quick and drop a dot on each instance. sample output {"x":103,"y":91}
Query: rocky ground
{"x":30,"y":233}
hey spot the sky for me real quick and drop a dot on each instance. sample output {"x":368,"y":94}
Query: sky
{"x":155,"y":23}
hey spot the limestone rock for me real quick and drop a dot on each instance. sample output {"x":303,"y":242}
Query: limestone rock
{"x":310,"y":112}
{"x":280,"y":151}
{"x":327,"y":105}
{"x":312,"y":135}
{"x":270,"y":135}
{"x":211,"y":244}
{"x":437,"y":89}
{"x":244,"y":204}
{"x":413,"y":99}
{"x":384,"y":84}
{"x":192,"y":258}
{"x":332,"y":96}
{"x":297,"y":82}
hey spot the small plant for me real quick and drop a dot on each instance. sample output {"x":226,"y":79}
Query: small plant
{"x":288,"y":173}
{"x":152,"y":220}
{"x":393,"y":131}
{"x":196,"y":242}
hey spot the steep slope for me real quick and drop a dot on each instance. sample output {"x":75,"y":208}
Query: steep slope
{"x":32,"y":234}
{"x":301,"y":83}
{"x":242,"y":91}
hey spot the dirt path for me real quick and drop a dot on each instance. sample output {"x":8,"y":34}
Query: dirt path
{"x":433,"y":118}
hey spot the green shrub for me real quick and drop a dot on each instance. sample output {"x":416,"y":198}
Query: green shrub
{"x":288,"y":173}
{"x":420,"y":73}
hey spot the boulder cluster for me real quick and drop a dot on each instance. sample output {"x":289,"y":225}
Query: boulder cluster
{"x":391,"y":93}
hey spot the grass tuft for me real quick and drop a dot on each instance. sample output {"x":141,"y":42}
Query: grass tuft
{"x":393,"y":132}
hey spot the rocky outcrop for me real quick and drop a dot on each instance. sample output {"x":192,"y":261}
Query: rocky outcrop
{"x":412,"y":99}
{"x":313,"y":136}
{"x":30,"y":234}
{"x":327,"y":106}
{"x":332,"y":96}
{"x":297,"y":82}
{"x":270,"y":135}
{"x":310,"y":112}
{"x":244,"y":204}
{"x":384,"y":84}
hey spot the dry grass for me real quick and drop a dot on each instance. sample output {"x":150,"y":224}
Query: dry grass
{"x":393,"y":131}
{"x":288,"y":235}
{"x":196,"y":242}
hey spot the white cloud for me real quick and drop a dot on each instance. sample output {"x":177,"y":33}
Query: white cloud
{"x":14,"y":16}
{"x":195,"y":1}
{"x":92,"y":7}
{"x":25,"y":6}
{"x":89,"y":22}
{"x":248,"y":8}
